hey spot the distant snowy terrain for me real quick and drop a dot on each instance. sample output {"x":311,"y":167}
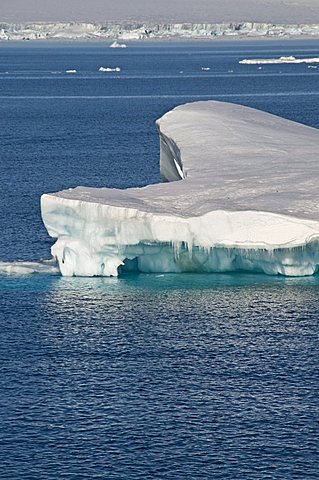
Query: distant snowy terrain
{"x":240,"y":192}
{"x":136,"y":31}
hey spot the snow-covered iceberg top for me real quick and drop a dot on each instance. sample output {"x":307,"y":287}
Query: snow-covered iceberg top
{"x":290,"y":59}
{"x":240,"y":192}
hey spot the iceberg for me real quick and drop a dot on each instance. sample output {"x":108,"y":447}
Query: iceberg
{"x":290,"y":59}
{"x":116,"y":44}
{"x":239,"y":192}
{"x":109,"y":69}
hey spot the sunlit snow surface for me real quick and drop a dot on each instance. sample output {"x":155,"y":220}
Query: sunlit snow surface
{"x":248,"y":201}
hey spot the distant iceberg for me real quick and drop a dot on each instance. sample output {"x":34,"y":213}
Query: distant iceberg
{"x":239,"y":192}
{"x":116,"y":44}
{"x":109,"y":69}
{"x":289,"y":59}
{"x":70,"y":71}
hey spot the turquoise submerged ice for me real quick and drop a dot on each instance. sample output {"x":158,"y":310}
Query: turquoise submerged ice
{"x":239,"y":192}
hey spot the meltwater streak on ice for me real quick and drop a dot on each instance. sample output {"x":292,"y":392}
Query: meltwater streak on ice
{"x":246,"y":202}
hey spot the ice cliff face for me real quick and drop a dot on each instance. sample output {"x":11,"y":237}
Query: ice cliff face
{"x":136,"y":31}
{"x":240,"y":192}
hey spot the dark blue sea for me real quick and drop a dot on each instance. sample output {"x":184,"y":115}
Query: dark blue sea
{"x":145,"y":376}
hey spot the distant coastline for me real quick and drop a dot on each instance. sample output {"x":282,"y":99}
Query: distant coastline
{"x":153,"y":31}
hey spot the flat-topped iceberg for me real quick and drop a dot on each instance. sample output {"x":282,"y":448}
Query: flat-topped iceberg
{"x":290,"y":59}
{"x":239,"y":192}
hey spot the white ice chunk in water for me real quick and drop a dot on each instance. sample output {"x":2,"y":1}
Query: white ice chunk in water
{"x":116,"y":44}
{"x":21,"y":267}
{"x":290,"y":59}
{"x":109,"y":69}
{"x":239,"y":192}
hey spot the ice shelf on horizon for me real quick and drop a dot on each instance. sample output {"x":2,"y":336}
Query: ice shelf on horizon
{"x":289,"y":59}
{"x":240,"y":192}
{"x":144,"y":30}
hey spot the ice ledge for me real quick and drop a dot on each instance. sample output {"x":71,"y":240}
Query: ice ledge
{"x":248,"y":201}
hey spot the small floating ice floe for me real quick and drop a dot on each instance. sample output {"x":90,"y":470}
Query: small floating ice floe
{"x":205,"y":69}
{"x":71,"y":71}
{"x":21,"y":267}
{"x":116,"y":44}
{"x":109,"y":69}
{"x":312,"y":66}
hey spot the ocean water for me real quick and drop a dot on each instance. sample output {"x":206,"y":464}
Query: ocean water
{"x":145,"y":376}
